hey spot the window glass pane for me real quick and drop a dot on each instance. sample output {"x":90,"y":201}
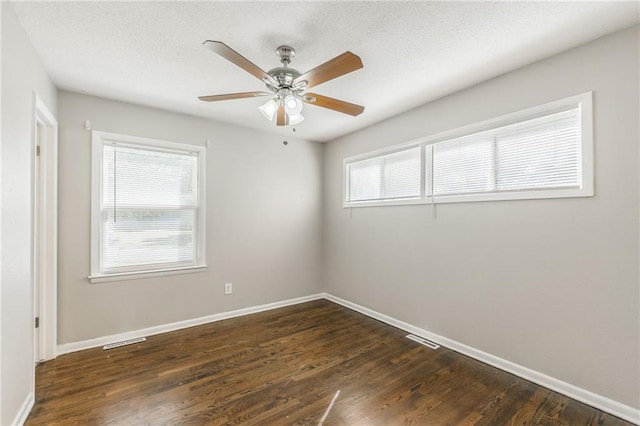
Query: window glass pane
{"x":147,"y":238}
{"x":391,"y":176}
{"x":149,"y":208}
{"x":540,"y":153}
{"x":365,"y":180}
{"x":402,"y":174}
{"x":463,"y":165}
{"x":140,"y":177}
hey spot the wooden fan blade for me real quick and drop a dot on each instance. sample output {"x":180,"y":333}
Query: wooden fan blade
{"x":212,"y":98}
{"x":282,"y":119}
{"x":336,"y":67}
{"x":231,"y":55}
{"x":331,"y":103}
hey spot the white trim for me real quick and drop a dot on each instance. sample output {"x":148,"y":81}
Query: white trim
{"x":48,"y":240}
{"x":588,"y":164}
{"x":98,"y":140}
{"x":24,"y":410}
{"x":584,"y":100}
{"x":139,"y":140}
{"x":379,"y":203}
{"x":145,"y":274}
{"x":105,"y":340}
{"x":600,"y":402}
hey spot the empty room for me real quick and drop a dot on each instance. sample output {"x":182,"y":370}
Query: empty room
{"x":320,"y":213}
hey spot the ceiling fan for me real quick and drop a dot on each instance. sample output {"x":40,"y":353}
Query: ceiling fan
{"x":287,"y":85}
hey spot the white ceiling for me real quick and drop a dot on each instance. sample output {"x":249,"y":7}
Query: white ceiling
{"x":150,"y":53}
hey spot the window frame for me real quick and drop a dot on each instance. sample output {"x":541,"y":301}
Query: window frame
{"x":584,"y":101}
{"x":100,"y":139}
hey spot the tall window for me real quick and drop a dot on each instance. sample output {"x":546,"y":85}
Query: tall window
{"x":147,"y":206}
{"x":543,"y":152}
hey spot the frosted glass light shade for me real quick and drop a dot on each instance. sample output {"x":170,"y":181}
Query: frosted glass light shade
{"x":269,"y":109}
{"x":293,"y":105}
{"x":295,"y":119}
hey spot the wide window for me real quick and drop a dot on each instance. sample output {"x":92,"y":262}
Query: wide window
{"x":147,"y":207}
{"x":542,"y":152}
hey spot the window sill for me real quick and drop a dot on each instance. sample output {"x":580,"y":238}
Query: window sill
{"x":93,"y":279}
{"x":528,"y":194}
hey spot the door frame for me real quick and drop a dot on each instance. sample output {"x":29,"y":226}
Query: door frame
{"x":45,"y":219}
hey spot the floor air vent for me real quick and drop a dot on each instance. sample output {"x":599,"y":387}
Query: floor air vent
{"x":427,"y":343}
{"x":123,"y":343}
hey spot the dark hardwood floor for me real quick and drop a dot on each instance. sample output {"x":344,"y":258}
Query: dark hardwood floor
{"x":285,"y":366}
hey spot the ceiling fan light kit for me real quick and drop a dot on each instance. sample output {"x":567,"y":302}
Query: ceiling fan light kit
{"x":287,"y":85}
{"x":292,"y":107}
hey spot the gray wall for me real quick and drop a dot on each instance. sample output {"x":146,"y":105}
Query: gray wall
{"x":548,"y":284}
{"x":263,"y":222}
{"x":22,"y":75}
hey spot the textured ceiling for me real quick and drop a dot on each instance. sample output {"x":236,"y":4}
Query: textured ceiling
{"x":151,"y":53}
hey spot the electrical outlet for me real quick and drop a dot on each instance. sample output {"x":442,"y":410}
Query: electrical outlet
{"x":228,"y":288}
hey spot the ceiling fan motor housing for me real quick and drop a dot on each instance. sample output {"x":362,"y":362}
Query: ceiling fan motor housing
{"x":284,"y":76}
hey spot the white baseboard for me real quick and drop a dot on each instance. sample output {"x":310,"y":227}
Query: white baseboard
{"x":105,"y":340}
{"x":24,"y":411}
{"x":600,"y":402}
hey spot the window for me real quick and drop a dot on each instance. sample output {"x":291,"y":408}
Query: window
{"x":542,"y":152}
{"x":147,"y":207}
{"x":387,"y":177}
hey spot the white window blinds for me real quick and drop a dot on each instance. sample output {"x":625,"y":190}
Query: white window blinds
{"x":534,"y":154}
{"x":543,"y":152}
{"x":387,"y":177}
{"x":149,"y":200}
{"x":147,"y":208}
{"x":463,"y":165}
{"x":539,"y":153}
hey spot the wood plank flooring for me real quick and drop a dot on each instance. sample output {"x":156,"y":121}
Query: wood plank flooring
{"x":284,"y":367}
